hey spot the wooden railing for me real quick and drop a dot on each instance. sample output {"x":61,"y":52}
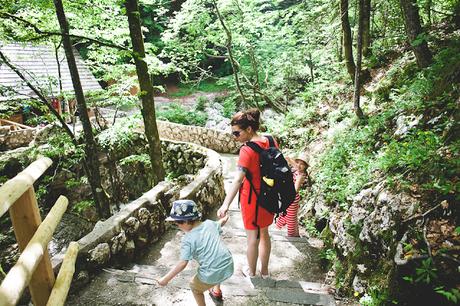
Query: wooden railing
{"x":33,"y":267}
{"x":15,"y":125}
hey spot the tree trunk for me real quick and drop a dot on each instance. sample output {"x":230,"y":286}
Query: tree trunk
{"x":92,"y":170}
{"x":347,"y":41}
{"x":428,"y":4}
{"x":366,"y":27}
{"x":146,"y":90}
{"x":414,"y":31}
{"x":357,"y":90}
{"x":230,"y":52}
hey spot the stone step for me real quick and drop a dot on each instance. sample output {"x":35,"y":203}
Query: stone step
{"x":286,"y":291}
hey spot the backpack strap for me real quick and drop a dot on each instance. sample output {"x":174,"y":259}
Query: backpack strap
{"x":271,"y":141}
{"x":254,"y":146}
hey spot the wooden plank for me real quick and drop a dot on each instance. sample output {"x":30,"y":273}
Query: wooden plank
{"x":33,"y":266}
{"x":9,"y":122}
{"x":64,"y":278}
{"x":13,"y":189}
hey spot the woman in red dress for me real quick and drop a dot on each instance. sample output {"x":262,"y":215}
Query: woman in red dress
{"x":244,"y":128}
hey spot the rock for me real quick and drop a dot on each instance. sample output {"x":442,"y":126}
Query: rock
{"x":43,"y":135}
{"x":359,"y":285}
{"x":405,"y":123}
{"x":132,"y":225}
{"x":100,"y":255}
{"x":143,"y":215}
{"x":118,"y":242}
{"x":129,"y":250}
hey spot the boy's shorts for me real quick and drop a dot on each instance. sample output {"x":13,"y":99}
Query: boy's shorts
{"x":198,"y":286}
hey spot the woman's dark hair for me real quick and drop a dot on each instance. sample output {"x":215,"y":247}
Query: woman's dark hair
{"x":248,"y":118}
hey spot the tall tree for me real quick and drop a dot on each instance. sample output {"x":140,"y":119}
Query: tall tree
{"x":146,"y":90}
{"x":359,"y":52}
{"x":414,"y":32}
{"x":366,"y":27}
{"x":228,"y":45}
{"x":91,"y":152}
{"x":347,"y":41}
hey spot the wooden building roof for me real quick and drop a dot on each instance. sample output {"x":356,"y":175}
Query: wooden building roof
{"x":38,"y":64}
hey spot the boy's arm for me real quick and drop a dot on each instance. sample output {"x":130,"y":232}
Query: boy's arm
{"x":223,"y":220}
{"x":173,"y":272}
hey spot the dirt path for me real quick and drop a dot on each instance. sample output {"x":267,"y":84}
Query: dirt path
{"x":296,"y":277}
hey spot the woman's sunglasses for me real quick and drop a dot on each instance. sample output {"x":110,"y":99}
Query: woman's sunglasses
{"x":179,"y":221}
{"x":236,"y":133}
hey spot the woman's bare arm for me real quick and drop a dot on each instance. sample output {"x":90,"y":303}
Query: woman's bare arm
{"x":231,"y":193}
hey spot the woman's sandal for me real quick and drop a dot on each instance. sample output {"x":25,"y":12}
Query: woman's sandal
{"x":246,"y":272}
{"x":216,"y":297}
{"x":265,"y":276}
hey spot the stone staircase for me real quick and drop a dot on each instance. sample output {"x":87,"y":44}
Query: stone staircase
{"x":296,"y":277}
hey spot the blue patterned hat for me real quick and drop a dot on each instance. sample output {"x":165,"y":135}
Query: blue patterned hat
{"x":183,"y":210}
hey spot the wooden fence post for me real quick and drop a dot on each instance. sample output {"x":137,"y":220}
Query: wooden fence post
{"x":25,"y":217}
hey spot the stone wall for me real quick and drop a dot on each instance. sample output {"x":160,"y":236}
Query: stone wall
{"x":12,"y":139}
{"x":128,"y":233}
{"x":216,"y":140}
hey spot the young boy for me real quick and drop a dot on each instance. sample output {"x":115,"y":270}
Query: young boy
{"x":201,"y":242}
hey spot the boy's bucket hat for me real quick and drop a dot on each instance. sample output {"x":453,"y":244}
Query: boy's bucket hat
{"x":183,"y":210}
{"x":303,"y":156}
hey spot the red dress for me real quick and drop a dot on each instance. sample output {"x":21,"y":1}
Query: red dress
{"x":249,"y":159}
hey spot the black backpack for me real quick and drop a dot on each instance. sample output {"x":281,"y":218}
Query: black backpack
{"x":277,"y":189}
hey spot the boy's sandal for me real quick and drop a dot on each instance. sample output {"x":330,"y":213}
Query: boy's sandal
{"x":216,"y":297}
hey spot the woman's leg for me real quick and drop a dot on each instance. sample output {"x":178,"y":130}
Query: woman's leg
{"x":252,"y":250}
{"x":265,"y":247}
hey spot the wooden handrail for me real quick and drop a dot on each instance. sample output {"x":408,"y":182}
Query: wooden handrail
{"x":20,"y":275}
{"x":16,"y":124}
{"x":64,"y":279}
{"x":17,"y":186}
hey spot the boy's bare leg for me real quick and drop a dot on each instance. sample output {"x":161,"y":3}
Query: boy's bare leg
{"x":252,"y":250}
{"x":265,"y":247}
{"x":199,"y":298}
{"x":216,"y":288}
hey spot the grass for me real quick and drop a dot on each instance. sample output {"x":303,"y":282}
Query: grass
{"x":190,"y":88}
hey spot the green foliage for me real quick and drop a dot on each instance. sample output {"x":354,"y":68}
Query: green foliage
{"x":61,"y":148}
{"x":376,"y":297}
{"x":295,"y":128}
{"x":82,"y":206}
{"x":72,"y":183}
{"x":328,"y":254}
{"x":120,"y":135}
{"x":426,"y":273}
{"x":309,"y":225}
{"x":175,"y":112}
{"x":140,"y":158}
{"x":346,"y":166}
{"x":187,"y":89}
{"x":412,"y":153}
{"x":452,"y":295}
{"x":229,"y":105}
{"x":201,"y":103}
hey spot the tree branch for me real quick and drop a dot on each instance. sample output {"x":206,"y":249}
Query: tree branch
{"x":417,"y":216}
{"x":44,"y":34}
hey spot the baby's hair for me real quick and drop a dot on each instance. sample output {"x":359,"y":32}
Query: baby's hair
{"x":248,"y":118}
